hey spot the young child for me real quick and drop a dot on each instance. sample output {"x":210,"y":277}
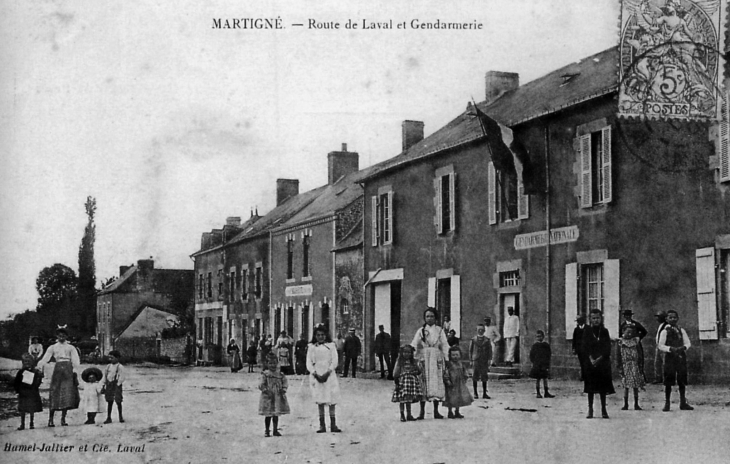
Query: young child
{"x":630,"y":358}
{"x":113,"y":380}
{"x":407,"y":376}
{"x":540,"y":357}
{"x":251,"y":353}
{"x":455,"y":378}
{"x":273,"y":402}
{"x":26,"y":385}
{"x":92,"y":399}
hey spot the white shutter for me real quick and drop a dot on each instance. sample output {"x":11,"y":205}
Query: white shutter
{"x":611,"y":292}
{"x":389,"y":220}
{"x":452,"y":201}
{"x":724,"y":145}
{"x":374,"y":220}
{"x":607,"y":186}
{"x":456,"y":304}
{"x":586,"y":189}
{"x":492,"y":193}
{"x":432,"y":292}
{"x":571,"y":298}
{"x":437,"y":203}
{"x":523,"y":201}
{"x":706,"y":300}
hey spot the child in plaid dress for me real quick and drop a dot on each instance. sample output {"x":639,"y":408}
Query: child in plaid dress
{"x":408,"y":384}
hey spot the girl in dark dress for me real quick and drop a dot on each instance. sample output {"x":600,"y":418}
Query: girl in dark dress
{"x":597,"y":347}
{"x":26,"y":384}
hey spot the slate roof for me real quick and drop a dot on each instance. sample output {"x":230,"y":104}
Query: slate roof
{"x":592,"y":77}
{"x":136,"y":314}
{"x":120,"y":281}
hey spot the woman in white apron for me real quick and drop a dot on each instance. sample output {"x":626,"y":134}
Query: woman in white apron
{"x":432,"y":350}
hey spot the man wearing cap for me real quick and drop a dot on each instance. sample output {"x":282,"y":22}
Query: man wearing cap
{"x":580,"y":325}
{"x":640,"y":332}
{"x":382,"y":350}
{"x":661,"y":318}
{"x":492,"y":333}
{"x":353,"y":347}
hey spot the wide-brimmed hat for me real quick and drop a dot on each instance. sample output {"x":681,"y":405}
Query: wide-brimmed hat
{"x":627,"y":311}
{"x":91,"y":370}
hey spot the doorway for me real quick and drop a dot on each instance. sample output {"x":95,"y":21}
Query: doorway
{"x":511,"y":300}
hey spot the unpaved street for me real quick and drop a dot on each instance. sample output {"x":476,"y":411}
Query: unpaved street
{"x":201,"y":415}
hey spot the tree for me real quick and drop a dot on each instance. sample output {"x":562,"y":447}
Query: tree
{"x":57,"y":287}
{"x":87,"y":273}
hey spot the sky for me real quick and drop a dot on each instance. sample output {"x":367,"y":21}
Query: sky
{"x":174,"y":125}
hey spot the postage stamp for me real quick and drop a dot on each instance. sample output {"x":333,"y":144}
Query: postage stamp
{"x":671,"y":58}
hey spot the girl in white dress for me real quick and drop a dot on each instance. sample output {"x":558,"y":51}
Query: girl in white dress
{"x":321,"y":363}
{"x":432,"y":350}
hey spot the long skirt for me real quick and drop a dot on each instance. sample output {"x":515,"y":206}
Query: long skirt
{"x":234,"y":360}
{"x":433,"y":374}
{"x":408,"y":389}
{"x":64,"y":393}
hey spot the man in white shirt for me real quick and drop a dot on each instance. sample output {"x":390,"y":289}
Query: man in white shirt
{"x":674,"y":342}
{"x":493,"y":335}
{"x":511,"y":331}
{"x":661,"y":318}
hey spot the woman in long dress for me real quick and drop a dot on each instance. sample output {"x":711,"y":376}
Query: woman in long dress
{"x":64,"y":393}
{"x":597,"y":348}
{"x":321,"y":364}
{"x":432,"y":350}
{"x":234,"y":356}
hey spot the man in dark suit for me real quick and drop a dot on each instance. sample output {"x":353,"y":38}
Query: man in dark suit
{"x":353,"y":347}
{"x":382,"y":351}
{"x":580,"y":325}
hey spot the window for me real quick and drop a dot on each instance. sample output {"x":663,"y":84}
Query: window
{"x":444,"y":294}
{"x":592,"y":284}
{"x":344,"y":305}
{"x":706,"y":294}
{"x":724,"y":145}
{"x":506,"y":196}
{"x":593,"y":287}
{"x":257,"y":283}
{"x":382,"y":218}
{"x":290,"y":258}
{"x":201,"y":285}
{"x":595,"y":168}
{"x":509,"y":279}
{"x":209,"y":292}
{"x":244,"y":284}
{"x":305,"y":256}
{"x":232,"y":284}
{"x":445,"y":201}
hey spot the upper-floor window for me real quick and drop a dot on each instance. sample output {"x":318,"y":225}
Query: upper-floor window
{"x":305,"y":256}
{"x":244,"y":284}
{"x":232,"y":283}
{"x":445,"y":200}
{"x":220,"y":282}
{"x":290,"y":257}
{"x":201,"y":285}
{"x":258,"y":283}
{"x":382,"y":218}
{"x":723,"y":147}
{"x":209,"y":290}
{"x":506,"y":195}
{"x":595,"y":168}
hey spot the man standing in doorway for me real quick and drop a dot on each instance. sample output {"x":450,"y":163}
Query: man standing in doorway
{"x":511,"y":331}
{"x":353,"y":347}
{"x":494,"y":337}
{"x":382,"y":351}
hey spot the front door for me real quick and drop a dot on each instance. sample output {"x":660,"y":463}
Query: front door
{"x":511,"y":300}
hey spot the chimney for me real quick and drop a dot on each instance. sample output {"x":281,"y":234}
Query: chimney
{"x":144,"y":274}
{"x":123,"y":269}
{"x":498,"y":83}
{"x":412,"y":133}
{"x":234,"y":221}
{"x":341,"y":163}
{"x":285,"y":189}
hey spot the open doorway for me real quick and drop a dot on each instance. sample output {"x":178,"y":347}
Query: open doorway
{"x":510,"y":300}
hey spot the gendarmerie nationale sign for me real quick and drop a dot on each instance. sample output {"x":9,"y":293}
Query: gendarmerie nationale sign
{"x":538,"y":239}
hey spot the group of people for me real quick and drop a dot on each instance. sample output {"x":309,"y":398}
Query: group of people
{"x":291,"y":355}
{"x":97,"y":387}
{"x":592,"y":344}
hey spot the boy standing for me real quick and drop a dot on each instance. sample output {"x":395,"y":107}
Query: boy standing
{"x":113,"y":380}
{"x":674,"y":342}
